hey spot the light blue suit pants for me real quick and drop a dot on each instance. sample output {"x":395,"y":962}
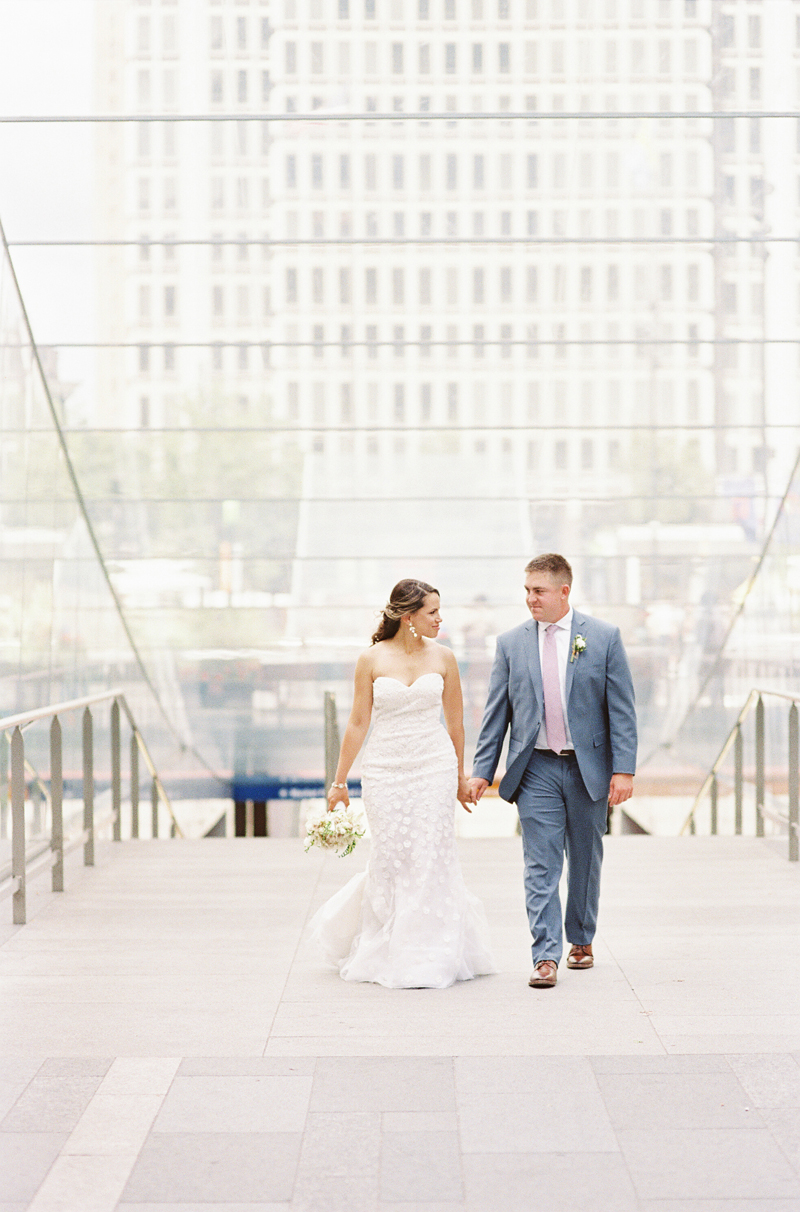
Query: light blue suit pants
{"x":558,"y":817}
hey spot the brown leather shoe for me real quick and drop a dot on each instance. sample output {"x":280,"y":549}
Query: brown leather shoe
{"x":580,"y":956}
{"x":544,"y":975}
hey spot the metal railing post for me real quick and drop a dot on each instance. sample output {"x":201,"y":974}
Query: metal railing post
{"x":4,"y":800}
{"x":331,"y":739}
{"x":134,"y":785}
{"x":116,"y":773}
{"x":794,"y":783}
{"x":154,"y":807}
{"x":18,"y":826}
{"x":738,"y":779}
{"x":760,"y":775}
{"x":57,"y":804}
{"x":88,"y":788}
{"x":714,"y":806}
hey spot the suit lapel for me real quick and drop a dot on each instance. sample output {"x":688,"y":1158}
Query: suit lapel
{"x":578,"y":625}
{"x":534,"y":664}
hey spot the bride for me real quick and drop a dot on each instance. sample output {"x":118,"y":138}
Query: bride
{"x":408,"y":921}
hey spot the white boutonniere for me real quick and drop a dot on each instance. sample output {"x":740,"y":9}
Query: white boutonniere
{"x":578,"y":646}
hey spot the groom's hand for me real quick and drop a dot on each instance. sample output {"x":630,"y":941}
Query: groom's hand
{"x":477,"y":787}
{"x":621,"y":789}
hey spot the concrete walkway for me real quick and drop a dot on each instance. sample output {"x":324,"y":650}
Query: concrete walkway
{"x":169,"y":1041}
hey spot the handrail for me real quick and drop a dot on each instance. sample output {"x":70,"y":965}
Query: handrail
{"x":25,"y":865}
{"x":24,"y":718}
{"x":734,"y":741}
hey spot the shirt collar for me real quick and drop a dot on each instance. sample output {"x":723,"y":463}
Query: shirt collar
{"x":565,"y":623}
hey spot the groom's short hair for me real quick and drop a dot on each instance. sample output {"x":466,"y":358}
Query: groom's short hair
{"x":556,"y":565}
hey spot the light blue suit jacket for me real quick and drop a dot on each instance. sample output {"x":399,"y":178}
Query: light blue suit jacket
{"x":600,"y":706}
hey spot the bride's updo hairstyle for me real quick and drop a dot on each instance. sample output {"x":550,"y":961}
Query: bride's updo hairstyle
{"x":406,"y":597}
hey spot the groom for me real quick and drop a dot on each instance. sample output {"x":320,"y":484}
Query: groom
{"x":562,"y":685}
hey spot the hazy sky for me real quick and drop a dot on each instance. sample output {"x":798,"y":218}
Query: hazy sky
{"x":46,"y":67}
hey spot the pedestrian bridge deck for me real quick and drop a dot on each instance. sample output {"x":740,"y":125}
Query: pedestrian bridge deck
{"x":170,"y":1041}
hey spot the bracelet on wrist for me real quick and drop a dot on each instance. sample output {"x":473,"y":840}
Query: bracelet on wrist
{"x":339,"y":786}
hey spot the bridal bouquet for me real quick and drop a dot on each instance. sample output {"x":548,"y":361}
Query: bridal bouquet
{"x":338,"y":830}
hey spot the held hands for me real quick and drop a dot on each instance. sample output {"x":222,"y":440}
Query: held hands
{"x":477,"y":787}
{"x":464,"y":794}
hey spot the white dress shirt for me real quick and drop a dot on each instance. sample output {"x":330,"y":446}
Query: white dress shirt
{"x":562,"y":653}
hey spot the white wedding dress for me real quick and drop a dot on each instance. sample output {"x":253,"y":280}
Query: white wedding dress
{"x":408,"y":921}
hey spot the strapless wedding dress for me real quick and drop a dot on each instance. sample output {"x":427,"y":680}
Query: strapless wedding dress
{"x":408,"y":921}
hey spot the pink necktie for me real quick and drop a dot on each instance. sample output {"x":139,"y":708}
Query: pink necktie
{"x":553,"y":712}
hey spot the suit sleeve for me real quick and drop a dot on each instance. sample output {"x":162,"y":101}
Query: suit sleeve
{"x":496,"y":718}
{"x":621,"y":708}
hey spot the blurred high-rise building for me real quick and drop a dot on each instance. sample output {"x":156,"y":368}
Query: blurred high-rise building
{"x":482,"y":334}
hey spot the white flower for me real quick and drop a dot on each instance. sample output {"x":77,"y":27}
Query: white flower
{"x":578,"y":646}
{"x":338,"y":830}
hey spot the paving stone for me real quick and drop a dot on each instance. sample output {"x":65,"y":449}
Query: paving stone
{"x":693,"y":1063}
{"x":89,"y":1183}
{"x":139,"y":1075}
{"x":55,"y":1099}
{"x":235,"y":1104}
{"x":419,"y":1121}
{"x":420,"y":1166}
{"x":246,"y":1066}
{"x":383,"y":1084}
{"x":25,"y":1158}
{"x":339,"y":1162}
{"x":719,"y":1205}
{"x":708,"y":1164}
{"x":677,"y":1100}
{"x":770,"y":1081}
{"x":214,"y":1167}
{"x":506,"y":1181}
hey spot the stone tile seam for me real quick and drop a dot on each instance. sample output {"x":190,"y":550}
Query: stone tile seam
{"x":794,"y":1165}
{"x":134,"y":1156}
{"x":25,"y":1089}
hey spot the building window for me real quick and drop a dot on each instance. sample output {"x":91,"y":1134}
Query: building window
{"x":344,"y":286}
{"x":216,"y":88}
{"x":504,"y":57}
{"x":398,"y":287}
{"x":398,"y":167}
{"x":477,"y":172}
{"x":370,"y":172}
{"x":291,"y":286}
{"x":424,"y":59}
{"x":452,"y":403}
{"x":451,"y":171}
{"x":397,"y":58}
{"x":478,"y":286}
{"x":170,"y":305}
{"x":371,"y":285}
{"x":560,"y":455}
{"x":505,"y":284}
{"x":317,"y":60}
{"x":477,"y":57}
{"x":425,"y":287}
{"x":586,"y":284}
{"x":450,"y":58}
{"x":399,"y":404}
{"x":317,"y":285}
{"x":291,"y":172}
{"x":666,"y":283}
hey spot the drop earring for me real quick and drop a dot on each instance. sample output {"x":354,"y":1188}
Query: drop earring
{"x":413,"y":630}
